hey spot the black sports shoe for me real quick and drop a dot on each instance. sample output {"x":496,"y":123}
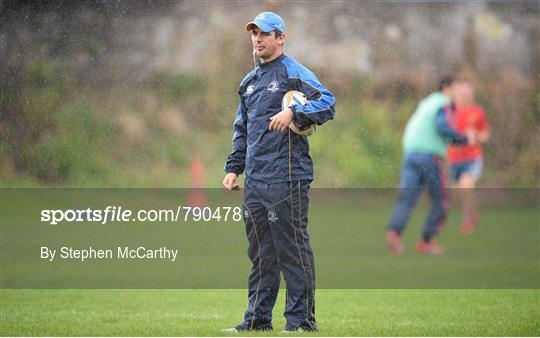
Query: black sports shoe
{"x":247,"y":327}
{"x":300,"y":329}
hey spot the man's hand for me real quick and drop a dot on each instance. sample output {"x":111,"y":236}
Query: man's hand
{"x":229,"y":182}
{"x":472,"y":137}
{"x":280,"y":122}
{"x":483,"y":136}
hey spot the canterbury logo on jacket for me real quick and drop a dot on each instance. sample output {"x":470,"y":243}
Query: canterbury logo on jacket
{"x":264,"y":154}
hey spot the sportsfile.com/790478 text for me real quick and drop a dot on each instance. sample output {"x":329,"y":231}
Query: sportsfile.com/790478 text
{"x":120,"y":214}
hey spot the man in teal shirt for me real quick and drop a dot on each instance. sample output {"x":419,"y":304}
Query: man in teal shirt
{"x":427,"y":134}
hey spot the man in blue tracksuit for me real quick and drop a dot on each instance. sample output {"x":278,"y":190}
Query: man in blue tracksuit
{"x":278,"y":172}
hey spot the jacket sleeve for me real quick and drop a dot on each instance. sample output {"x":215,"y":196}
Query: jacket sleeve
{"x":321,"y":105}
{"x":236,"y":161}
{"x":445,"y":130}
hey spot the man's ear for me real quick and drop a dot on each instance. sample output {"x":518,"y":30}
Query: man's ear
{"x":282,"y":38}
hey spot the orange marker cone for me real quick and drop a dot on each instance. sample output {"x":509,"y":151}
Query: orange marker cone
{"x":196,"y":196}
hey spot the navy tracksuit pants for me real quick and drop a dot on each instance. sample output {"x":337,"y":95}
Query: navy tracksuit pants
{"x":276,"y":228}
{"x":421,"y":170}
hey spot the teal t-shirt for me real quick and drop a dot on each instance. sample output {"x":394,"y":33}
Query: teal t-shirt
{"x":421,"y":131}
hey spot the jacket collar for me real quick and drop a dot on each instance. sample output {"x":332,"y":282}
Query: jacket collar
{"x":273,"y":62}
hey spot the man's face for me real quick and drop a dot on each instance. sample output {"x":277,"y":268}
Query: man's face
{"x":464,"y":94}
{"x":460,"y":92}
{"x":453,"y":91}
{"x":266,"y":45}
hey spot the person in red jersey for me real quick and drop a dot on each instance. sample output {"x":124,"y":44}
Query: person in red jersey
{"x":466,"y":161}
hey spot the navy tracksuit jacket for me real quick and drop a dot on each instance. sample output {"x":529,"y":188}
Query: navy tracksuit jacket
{"x":278,"y":172}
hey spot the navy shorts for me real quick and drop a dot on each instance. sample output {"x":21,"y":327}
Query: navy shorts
{"x":473,"y":168}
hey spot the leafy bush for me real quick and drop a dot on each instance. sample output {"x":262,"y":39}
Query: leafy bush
{"x":75,"y":149}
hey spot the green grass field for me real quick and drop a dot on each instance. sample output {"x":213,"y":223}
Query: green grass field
{"x":205,"y":312}
{"x":485,"y":285}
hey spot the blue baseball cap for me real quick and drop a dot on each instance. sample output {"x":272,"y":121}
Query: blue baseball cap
{"x":267,"y":22}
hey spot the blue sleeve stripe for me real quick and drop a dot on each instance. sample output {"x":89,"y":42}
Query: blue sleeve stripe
{"x":320,"y":107}
{"x":309,"y":84}
{"x":297,"y":71}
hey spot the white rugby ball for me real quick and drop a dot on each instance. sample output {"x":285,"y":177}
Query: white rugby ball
{"x":292,"y":98}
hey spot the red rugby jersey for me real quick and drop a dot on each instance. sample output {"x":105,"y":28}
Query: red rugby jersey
{"x":471,"y":117}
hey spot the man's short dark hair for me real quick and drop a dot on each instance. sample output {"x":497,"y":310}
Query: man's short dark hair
{"x":278,"y":34}
{"x":445,"y":82}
